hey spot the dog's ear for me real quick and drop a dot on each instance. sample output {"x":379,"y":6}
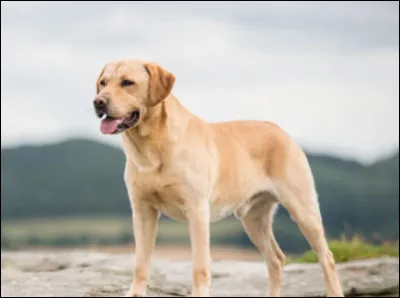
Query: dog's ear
{"x":161,"y":82}
{"x":98,"y":80}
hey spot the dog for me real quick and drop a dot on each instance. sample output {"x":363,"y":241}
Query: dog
{"x":179,"y":165}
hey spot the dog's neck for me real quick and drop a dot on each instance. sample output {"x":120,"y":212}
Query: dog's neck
{"x":152,"y":139}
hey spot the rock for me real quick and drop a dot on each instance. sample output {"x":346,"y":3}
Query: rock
{"x":89,"y":274}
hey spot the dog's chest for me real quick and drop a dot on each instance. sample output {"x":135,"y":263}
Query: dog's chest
{"x":166,"y":193}
{"x":169,"y":202}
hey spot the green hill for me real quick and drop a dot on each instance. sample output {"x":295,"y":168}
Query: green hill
{"x":80,"y":177}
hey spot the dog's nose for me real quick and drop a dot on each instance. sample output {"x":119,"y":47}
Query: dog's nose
{"x":100,"y":103}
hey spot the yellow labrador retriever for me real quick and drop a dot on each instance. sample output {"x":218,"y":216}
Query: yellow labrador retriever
{"x":188,"y":169}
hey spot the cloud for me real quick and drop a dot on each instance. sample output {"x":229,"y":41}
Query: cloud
{"x":327,"y":73}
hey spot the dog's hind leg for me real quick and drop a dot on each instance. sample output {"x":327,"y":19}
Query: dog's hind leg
{"x":300,"y":199}
{"x":257,"y":223}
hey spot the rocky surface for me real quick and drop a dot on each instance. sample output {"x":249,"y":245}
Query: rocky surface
{"x":89,"y":274}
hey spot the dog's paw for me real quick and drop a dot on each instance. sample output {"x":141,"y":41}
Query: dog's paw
{"x":133,"y":293}
{"x":130,"y":294}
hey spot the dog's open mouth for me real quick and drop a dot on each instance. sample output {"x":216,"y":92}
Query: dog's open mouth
{"x":111,"y":125}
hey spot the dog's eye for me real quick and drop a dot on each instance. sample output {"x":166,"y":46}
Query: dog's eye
{"x":126,"y":83}
{"x":102,"y":83}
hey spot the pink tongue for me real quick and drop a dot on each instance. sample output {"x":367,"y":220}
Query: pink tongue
{"x":109,"y":126}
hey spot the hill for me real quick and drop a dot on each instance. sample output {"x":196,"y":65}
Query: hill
{"x":85,"y":178}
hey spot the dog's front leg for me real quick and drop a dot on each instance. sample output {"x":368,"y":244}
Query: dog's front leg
{"x":199,"y":229}
{"x":145,"y":220}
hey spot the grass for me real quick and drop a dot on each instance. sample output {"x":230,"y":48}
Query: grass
{"x":350,"y":250}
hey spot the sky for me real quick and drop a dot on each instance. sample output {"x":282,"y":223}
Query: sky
{"x":326,"y":72}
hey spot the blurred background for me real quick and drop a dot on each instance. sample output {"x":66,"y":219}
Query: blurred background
{"x":328,"y":73}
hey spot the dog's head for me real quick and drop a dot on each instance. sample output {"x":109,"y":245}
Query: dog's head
{"x":127,"y":90}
